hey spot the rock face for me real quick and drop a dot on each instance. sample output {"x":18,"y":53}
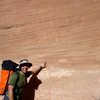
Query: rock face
{"x":65,"y":34}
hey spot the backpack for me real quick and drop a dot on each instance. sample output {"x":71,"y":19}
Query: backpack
{"x":8,"y":67}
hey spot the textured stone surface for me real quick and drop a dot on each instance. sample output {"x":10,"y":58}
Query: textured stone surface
{"x":66,"y":34}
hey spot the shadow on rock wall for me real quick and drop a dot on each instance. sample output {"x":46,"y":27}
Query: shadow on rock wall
{"x":29,"y":89}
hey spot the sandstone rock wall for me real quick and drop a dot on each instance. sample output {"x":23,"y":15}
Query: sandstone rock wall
{"x":66,"y":34}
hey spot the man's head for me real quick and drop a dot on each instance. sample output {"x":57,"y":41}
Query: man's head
{"x":24,"y":65}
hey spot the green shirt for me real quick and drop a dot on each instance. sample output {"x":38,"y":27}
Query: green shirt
{"x":17,"y":80}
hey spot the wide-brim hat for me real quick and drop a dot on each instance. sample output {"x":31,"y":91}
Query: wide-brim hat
{"x":25,"y":62}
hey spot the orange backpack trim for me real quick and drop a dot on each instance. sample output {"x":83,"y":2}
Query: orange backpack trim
{"x":4,"y":80}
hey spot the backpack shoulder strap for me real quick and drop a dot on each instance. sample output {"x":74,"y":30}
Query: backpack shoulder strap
{"x":17,"y":76}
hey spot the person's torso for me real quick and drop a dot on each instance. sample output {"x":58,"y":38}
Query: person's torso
{"x":17,"y":80}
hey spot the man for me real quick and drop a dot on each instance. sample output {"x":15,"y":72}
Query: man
{"x":18,"y":80}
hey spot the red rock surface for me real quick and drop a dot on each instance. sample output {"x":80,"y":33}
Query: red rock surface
{"x":66,"y":34}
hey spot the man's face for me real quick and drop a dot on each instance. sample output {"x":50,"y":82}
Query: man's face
{"x":24,"y":68}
